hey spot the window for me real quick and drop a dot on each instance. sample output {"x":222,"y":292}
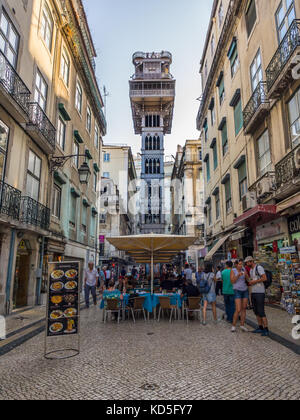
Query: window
{"x":61,"y":133}
{"x":250,"y":16}
{"x":96,"y":140}
{"x":294,"y":118}
{"x":208,"y":169}
{"x":284,"y":17}
{"x":224,"y":140}
{"x":228,"y":200}
{"x":9,"y":39}
{"x":256,"y":71}
{"x":205,"y":130}
{"x":215,"y":153}
{"x":217,"y":198}
{"x":56,"y":201}
{"x":33,"y":176}
{"x":106,"y":175}
{"x":238,"y":117}
{"x":41,"y":91}
{"x":206,"y":70}
{"x":152,"y":121}
{"x":4,"y":134}
{"x":95,"y":181}
{"x":221,"y":86}
{"x":213,"y":116}
{"x":221,"y":14}
{"x":47,"y":27}
{"x":78,"y":98}
{"x":233,"y":57}
{"x":88,"y":119}
{"x":84,"y":219}
{"x":212,"y":45}
{"x":106,"y":157}
{"x":65,"y":67}
{"x":209,"y":214}
{"x":76,"y":153}
{"x":73,"y":208}
{"x":264,"y":154}
{"x":243,"y":184}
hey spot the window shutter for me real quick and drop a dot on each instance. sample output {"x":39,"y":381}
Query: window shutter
{"x":242,"y":170}
{"x":238,"y":117}
{"x":228,"y":190}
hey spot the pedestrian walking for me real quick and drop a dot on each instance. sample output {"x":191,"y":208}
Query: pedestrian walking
{"x":90,"y":283}
{"x":228,"y":292}
{"x":239,"y":278}
{"x":199,"y":277}
{"x":108,"y":276}
{"x":219,"y":283}
{"x":188,"y":273}
{"x":258,"y":278}
{"x":101,"y":279}
{"x":210,"y":297}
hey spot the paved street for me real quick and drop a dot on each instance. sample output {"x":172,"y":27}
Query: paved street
{"x":154,"y":361}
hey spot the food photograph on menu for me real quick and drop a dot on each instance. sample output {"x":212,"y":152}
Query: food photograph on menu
{"x":63,"y":309}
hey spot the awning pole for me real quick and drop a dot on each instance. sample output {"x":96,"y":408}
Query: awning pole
{"x":152,"y":273}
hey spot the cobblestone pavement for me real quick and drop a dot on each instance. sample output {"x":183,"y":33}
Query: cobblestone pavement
{"x":154,"y":361}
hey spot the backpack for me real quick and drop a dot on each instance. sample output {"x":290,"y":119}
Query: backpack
{"x":269,"y":276}
{"x":204,"y":287}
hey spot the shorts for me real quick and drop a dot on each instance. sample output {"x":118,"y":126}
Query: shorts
{"x":241,"y":295}
{"x":210,"y":297}
{"x":258,"y":303}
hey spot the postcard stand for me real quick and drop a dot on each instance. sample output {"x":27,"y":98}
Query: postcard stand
{"x":62,"y":336}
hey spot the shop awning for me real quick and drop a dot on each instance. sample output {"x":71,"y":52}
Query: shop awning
{"x":291,"y":202}
{"x":265,"y":211}
{"x":216,"y":247}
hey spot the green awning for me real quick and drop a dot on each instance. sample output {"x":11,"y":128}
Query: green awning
{"x":88,"y":154}
{"x":78,"y":137}
{"x":96,"y":167}
{"x":64,"y":112}
{"x":86,"y":203}
{"x":75,"y":193}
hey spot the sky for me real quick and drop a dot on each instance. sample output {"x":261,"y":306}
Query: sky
{"x":122,"y":27}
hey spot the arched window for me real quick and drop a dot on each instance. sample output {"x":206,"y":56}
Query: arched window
{"x":150,"y":144}
{"x":147,"y":143}
{"x":158,"y":166}
{"x":150,"y":167}
{"x":154,"y":143}
{"x":147,"y":166}
{"x":158,"y":143}
{"x":154,"y":166}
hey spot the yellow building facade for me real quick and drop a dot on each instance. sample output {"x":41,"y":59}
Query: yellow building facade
{"x":249,"y":119}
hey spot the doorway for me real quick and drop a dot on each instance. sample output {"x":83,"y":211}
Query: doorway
{"x":21,"y":281}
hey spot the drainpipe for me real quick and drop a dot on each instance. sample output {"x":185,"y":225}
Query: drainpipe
{"x":40,"y":275}
{"x":9,"y":270}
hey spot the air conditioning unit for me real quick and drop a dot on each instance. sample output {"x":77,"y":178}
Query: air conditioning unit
{"x":297,"y":158}
{"x":264,"y":187}
{"x":249,"y":201}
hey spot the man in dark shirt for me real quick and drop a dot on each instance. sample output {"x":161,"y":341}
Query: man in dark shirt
{"x":189,"y":290}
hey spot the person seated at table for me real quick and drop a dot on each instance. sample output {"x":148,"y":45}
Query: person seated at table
{"x":179,"y":282}
{"x":166,"y":284}
{"x":112,"y":293}
{"x":189,"y":290}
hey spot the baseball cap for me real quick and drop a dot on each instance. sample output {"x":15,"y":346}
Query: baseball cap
{"x":249,"y":259}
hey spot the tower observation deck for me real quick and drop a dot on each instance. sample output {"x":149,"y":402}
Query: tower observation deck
{"x":152,"y":96}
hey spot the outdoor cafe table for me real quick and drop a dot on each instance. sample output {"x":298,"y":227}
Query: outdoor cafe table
{"x":151,"y":301}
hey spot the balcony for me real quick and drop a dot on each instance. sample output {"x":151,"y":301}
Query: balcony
{"x":279,"y":71}
{"x":256,"y":109}
{"x":10,"y":200}
{"x":14,"y":93}
{"x":264,"y":187}
{"x":34,"y":214}
{"x":152,"y":76}
{"x":288,"y":174}
{"x":152,"y":93}
{"x":40,"y":128}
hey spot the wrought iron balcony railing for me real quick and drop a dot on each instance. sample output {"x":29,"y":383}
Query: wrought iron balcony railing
{"x":284,"y":53}
{"x":288,"y":169}
{"x":13,"y":84}
{"x":39,"y":119}
{"x":258,"y":99}
{"x":152,"y":76}
{"x":10,"y":200}
{"x":34,"y":213}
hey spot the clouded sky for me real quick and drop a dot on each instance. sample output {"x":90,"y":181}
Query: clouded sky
{"x":122,"y":27}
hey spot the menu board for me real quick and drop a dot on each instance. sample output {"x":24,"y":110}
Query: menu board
{"x":63,"y":299}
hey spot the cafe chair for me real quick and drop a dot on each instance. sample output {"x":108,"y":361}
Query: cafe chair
{"x":138,"y":307}
{"x":194,"y":305}
{"x":112,"y":306}
{"x":165,"y":303}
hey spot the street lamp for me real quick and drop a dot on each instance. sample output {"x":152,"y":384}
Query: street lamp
{"x":84,"y":173}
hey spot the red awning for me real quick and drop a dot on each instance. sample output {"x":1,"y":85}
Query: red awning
{"x":265,"y":212}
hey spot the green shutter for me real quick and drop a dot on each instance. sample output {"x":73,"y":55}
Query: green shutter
{"x":238,"y":117}
{"x":208,"y":170}
{"x":215,"y":157}
{"x":224,"y":134}
{"x":242,"y":170}
{"x":221,"y":87}
{"x":227,"y":190}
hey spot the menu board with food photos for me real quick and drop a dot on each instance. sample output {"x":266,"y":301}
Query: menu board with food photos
{"x":63,"y":299}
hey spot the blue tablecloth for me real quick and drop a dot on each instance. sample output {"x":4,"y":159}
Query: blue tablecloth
{"x":151,"y":301}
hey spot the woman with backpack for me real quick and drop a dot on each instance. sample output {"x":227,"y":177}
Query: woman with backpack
{"x":209,"y":289}
{"x":239,"y":279}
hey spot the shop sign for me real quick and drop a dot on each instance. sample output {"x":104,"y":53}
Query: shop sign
{"x":294,"y":224}
{"x":269,"y":230}
{"x":102,"y":239}
{"x":288,"y":250}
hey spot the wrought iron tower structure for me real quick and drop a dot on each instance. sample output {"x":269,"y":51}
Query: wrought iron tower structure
{"x":152,"y":95}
